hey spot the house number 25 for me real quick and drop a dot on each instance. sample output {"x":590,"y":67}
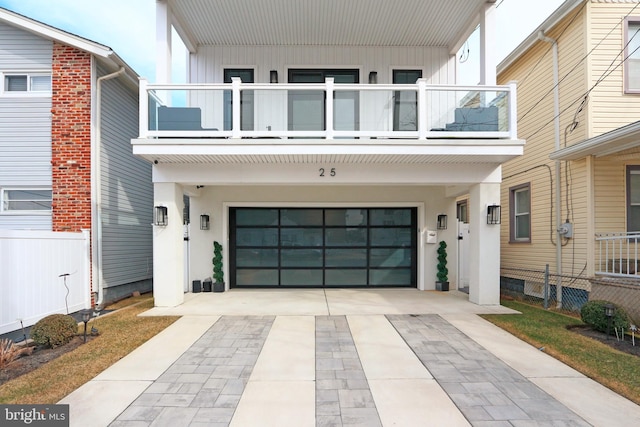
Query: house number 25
{"x":331,"y":172}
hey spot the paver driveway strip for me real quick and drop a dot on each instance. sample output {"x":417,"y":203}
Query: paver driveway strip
{"x":461,"y":371}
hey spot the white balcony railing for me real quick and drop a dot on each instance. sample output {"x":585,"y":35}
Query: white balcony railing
{"x":618,"y":254}
{"x":327,"y":111}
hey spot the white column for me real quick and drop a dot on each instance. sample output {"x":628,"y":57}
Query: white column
{"x":484,"y":251}
{"x":163,"y":42}
{"x":488,"y":60}
{"x":168,"y":248}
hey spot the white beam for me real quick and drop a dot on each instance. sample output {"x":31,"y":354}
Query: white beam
{"x":163,"y":42}
{"x":488,"y":54}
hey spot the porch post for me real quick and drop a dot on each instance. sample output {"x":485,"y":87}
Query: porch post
{"x":163,"y":42}
{"x":484,"y":251}
{"x":168,"y":249}
{"x":488,"y":61}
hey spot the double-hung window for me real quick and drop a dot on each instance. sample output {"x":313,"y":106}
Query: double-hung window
{"x":632,"y":55}
{"x":633,"y":198}
{"x":520,"y":213}
{"x":23,"y":83}
{"x":25,"y":200}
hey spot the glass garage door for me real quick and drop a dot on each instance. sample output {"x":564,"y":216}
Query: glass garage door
{"x":323,"y":247}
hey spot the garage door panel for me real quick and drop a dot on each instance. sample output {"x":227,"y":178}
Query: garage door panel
{"x":331,"y":247}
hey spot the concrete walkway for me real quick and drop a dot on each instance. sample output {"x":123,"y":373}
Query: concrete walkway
{"x":341,"y":358}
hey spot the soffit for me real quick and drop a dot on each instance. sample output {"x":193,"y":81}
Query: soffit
{"x":327,"y":22}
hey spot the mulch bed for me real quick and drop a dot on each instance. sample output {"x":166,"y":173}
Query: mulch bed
{"x":625,"y":346}
{"x":39,"y":357}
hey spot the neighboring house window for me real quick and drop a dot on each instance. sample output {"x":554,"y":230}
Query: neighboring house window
{"x":25,"y":200}
{"x":463,"y":211}
{"x":27,"y":83}
{"x":632,"y":53}
{"x":633,"y":198}
{"x":520,"y":213}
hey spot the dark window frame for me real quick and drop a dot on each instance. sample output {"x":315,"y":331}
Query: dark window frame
{"x":512,"y":213}
{"x":628,"y":172}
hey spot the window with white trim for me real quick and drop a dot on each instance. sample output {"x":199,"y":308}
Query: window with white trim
{"x":632,"y":55}
{"x":17,"y":83}
{"x":520,"y":213}
{"x":25,"y":200}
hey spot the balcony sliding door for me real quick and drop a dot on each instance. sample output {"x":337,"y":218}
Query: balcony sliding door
{"x":246,"y":99}
{"x":307,"y":107}
{"x":405,"y":108}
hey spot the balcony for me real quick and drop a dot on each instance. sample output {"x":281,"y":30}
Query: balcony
{"x":344,"y":113}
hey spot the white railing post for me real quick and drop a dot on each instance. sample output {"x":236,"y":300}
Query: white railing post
{"x":235,"y":107}
{"x":329,"y":108}
{"x":513,"y":111}
{"x":422,"y":109}
{"x":144,"y":109}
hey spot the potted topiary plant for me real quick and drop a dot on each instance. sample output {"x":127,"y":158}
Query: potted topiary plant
{"x":218,"y":274}
{"x":442,"y":284}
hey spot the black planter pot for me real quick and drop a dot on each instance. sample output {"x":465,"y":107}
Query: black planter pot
{"x":197,"y":286}
{"x":206,"y":285}
{"x":218,"y":287}
{"x":442,"y":286}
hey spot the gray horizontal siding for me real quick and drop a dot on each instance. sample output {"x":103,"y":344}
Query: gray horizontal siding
{"x":127,"y":191}
{"x":25,"y":124}
{"x":25,"y":222}
{"x":23,"y":51}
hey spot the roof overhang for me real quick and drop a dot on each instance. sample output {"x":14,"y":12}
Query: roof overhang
{"x":328,"y":22}
{"x":559,"y":14}
{"x":612,"y":142}
{"x":254,"y":151}
{"x":102,"y":52}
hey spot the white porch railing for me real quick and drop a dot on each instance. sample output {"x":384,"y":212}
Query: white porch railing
{"x":327,"y":111}
{"x":618,"y":254}
{"x":32,"y":281}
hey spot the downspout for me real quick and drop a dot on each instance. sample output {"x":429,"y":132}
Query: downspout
{"x":556,"y":122}
{"x":98,"y":186}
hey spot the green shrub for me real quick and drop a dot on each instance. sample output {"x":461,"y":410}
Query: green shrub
{"x":593,"y":314}
{"x":54,"y":330}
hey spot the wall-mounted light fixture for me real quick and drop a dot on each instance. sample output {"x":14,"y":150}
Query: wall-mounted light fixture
{"x":204,"y":222}
{"x":160,"y":216}
{"x":273,"y":76}
{"x":373,"y":77}
{"x":442,"y":222}
{"x":493,"y":214}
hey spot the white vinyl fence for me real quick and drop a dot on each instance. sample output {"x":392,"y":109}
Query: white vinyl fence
{"x":33,"y":268}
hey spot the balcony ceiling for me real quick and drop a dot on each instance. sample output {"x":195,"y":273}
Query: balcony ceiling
{"x":445,"y":23}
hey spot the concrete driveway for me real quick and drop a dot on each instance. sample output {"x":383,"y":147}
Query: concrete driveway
{"x":341,"y":358}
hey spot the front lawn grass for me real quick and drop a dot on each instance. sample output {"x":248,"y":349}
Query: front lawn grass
{"x":614,"y":369}
{"x":121,"y":332}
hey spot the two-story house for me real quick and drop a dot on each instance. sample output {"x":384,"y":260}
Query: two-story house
{"x":68,"y":111}
{"x":323,"y":144}
{"x":572,"y":198}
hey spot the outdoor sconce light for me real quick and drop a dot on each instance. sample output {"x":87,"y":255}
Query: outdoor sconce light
{"x":609,"y":311}
{"x":204,"y":222}
{"x":273,"y":76}
{"x":442,"y":222}
{"x":86,"y":315}
{"x":373,"y":77}
{"x":160,"y":216}
{"x":493,"y":214}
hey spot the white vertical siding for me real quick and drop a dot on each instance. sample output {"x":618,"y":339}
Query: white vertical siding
{"x":127,"y":191}
{"x":208,"y":64}
{"x":25,"y":124}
